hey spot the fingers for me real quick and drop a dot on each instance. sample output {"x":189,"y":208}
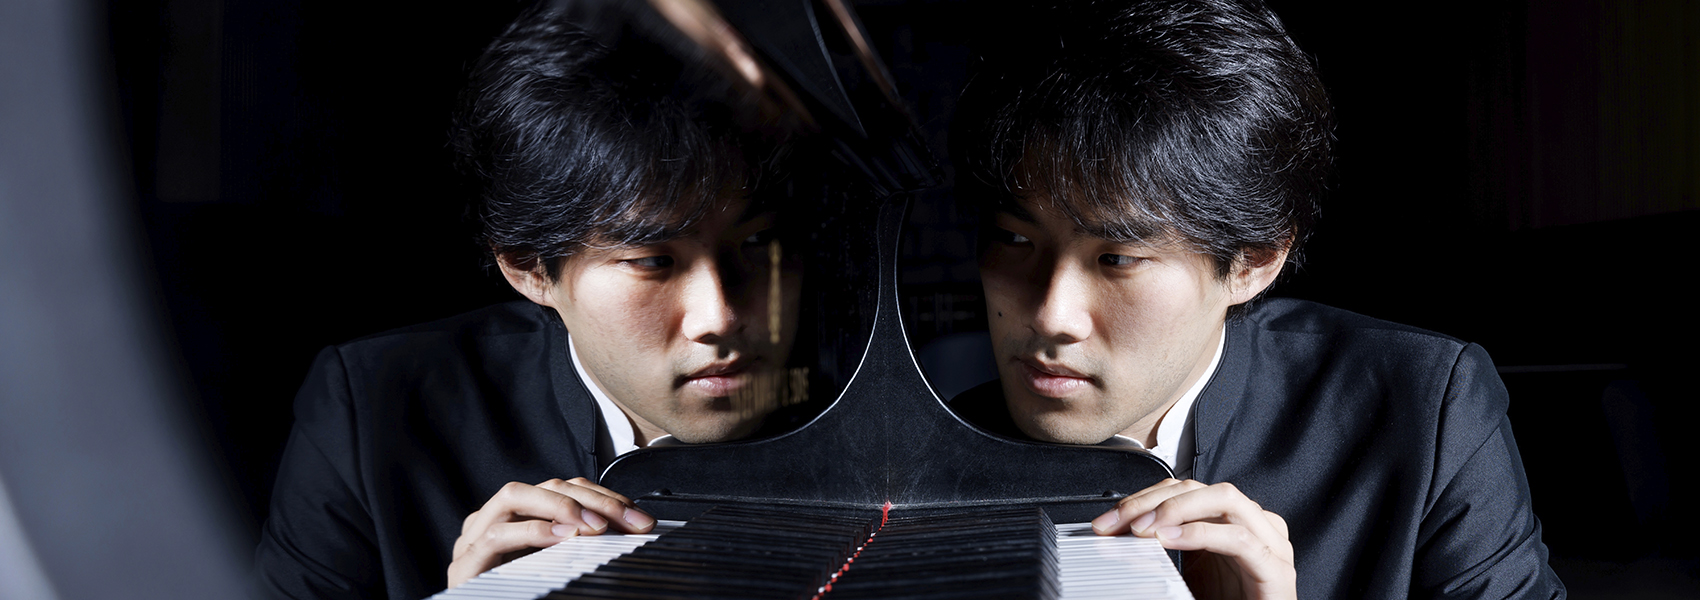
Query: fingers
{"x":1171,"y":503}
{"x":1131,"y":510}
{"x":1263,"y":565}
{"x":596,"y":500}
{"x":1218,"y":519}
{"x":520,"y":517}
{"x":517,"y":501}
{"x":479,"y":553}
{"x":1278,"y":523}
{"x":1219,"y":503}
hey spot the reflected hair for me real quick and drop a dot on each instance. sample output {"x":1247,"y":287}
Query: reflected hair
{"x":1190,"y":121}
{"x":576,"y":142}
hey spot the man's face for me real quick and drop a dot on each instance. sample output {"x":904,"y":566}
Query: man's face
{"x":679,"y":333}
{"x":1093,"y":337}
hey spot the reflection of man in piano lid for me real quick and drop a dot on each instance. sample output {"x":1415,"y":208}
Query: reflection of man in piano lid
{"x":1145,"y":170}
{"x":673,"y":322}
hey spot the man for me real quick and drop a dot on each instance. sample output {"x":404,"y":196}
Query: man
{"x":632,"y":207}
{"x":1147,"y":170}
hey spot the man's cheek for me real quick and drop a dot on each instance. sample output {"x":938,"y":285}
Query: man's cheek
{"x":998,"y":307}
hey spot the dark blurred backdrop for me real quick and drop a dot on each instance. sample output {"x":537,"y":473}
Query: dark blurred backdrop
{"x":1515,"y":173}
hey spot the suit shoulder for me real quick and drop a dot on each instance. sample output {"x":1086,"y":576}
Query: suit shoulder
{"x":508,"y":318}
{"x":493,"y":367}
{"x":1286,"y":315}
{"x":1381,"y":355}
{"x":503,"y":341}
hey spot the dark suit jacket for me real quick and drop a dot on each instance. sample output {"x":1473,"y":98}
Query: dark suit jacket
{"x":1386,"y":448}
{"x":400,"y":435}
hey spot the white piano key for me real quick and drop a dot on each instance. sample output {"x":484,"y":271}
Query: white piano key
{"x":552,"y":568}
{"x":1093,"y":566}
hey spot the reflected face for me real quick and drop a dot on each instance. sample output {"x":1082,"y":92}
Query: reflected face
{"x":679,"y":333}
{"x":1094,"y":337}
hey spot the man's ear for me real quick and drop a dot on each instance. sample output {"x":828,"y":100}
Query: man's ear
{"x":532,"y":283}
{"x":1254,"y":272}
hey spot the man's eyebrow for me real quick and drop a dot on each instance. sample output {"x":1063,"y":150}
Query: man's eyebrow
{"x":1114,"y":236}
{"x":1018,"y":212}
{"x":758,"y":215}
{"x":755,"y":210}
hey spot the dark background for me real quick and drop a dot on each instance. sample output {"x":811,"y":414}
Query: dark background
{"x":1519,"y":174}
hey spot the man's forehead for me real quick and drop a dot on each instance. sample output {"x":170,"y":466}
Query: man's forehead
{"x":645,"y":227}
{"x":731,"y":213}
{"x":750,"y":209}
{"x":1041,"y":211}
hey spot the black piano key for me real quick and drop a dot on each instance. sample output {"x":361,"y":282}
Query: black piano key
{"x":629,"y":585}
{"x":701,"y":570}
{"x":599,"y":585}
{"x":1008,"y":553}
{"x":732,"y":552}
{"x":641,"y":591}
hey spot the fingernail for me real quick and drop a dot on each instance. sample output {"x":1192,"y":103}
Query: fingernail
{"x":1143,"y":521}
{"x":637,"y":518}
{"x":595,"y":521}
{"x":1169,"y":533}
{"x":1106,"y":521}
{"x":564,"y":531}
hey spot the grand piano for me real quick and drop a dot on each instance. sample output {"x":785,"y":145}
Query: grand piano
{"x":886,"y":493}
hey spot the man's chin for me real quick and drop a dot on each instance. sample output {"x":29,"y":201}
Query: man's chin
{"x":1057,"y":424}
{"x":717,"y":426}
{"x":1065,"y":433}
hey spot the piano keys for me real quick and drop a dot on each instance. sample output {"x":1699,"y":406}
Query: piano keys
{"x":733,"y":552}
{"x":748,"y":552}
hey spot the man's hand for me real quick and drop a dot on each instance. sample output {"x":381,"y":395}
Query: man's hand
{"x":522,"y":517}
{"x":1235,"y":549}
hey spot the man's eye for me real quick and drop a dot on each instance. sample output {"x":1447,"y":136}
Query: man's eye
{"x":1005,"y":236}
{"x":1118,"y":260}
{"x":651,"y":262}
{"x":761,"y":238}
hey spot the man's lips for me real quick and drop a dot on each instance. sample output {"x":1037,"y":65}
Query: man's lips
{"x":719,"y":379}
{"x":1052,"y":380}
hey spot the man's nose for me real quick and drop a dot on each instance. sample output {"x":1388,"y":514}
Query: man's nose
{"x":709,"y":314}
{"x":1064,"y":315}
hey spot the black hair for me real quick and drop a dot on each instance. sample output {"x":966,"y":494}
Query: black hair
{"x":1196,"y":121}
{"x":576,"y":140}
